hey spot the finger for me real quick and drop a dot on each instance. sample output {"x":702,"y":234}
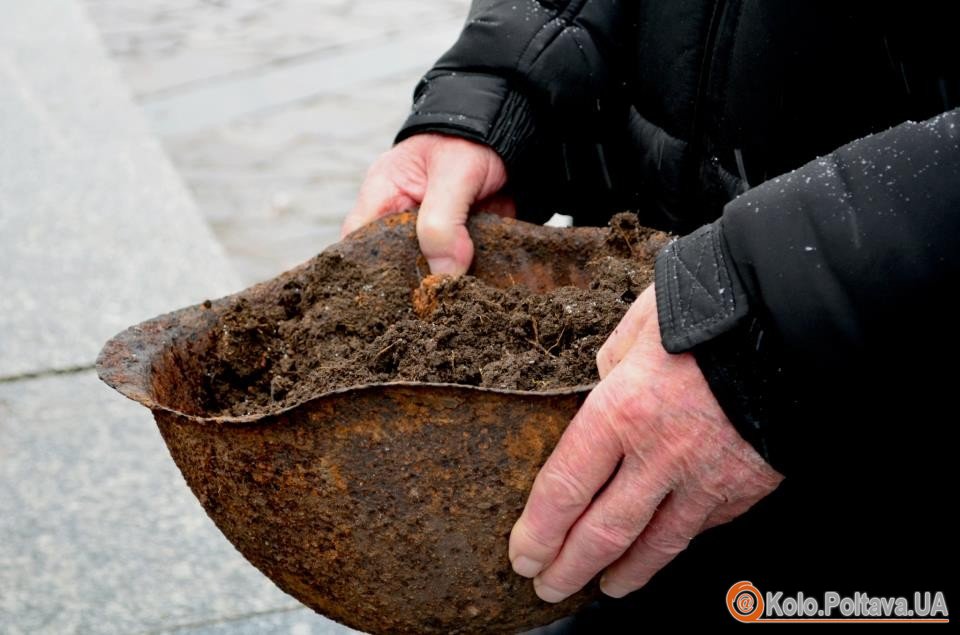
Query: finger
{"x":452,"y":188}
{"x":378,"y":196}
{"x":625,"y":334}
{"x":583,"y":460}
{"x":606,"y":530}
{"x":676,"y":523}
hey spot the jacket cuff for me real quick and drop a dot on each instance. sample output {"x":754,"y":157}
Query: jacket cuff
{"x":475,"y":106}
{"x":703,"y":307}
{"x":699,"y":294}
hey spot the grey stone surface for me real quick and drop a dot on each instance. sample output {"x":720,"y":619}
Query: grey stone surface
{"x":97,"y":229}
{"x":99,"y":533}
{"x":272,"y":110}
{"x":229,"y":98}
{"x":168,"y":46}
{"x":276,"y":185}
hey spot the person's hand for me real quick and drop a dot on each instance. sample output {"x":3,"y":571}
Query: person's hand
{"x":445,"y":176}
{"x":675,"y":465}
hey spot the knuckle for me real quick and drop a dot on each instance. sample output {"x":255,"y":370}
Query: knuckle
{"x":602,"y":355}
{"x":605,"y":359}
{"x":433,"y":230}
{"x":632,"y":406}
{"x":713,"y":492}
{"x":532,"y":538}
{"x":665,"y":543}
{"x":563,"y":491}
{"x":629,"y":578}
{"x":616,"y":405}
{"x":567,"y":581}
{"x":609,"y":538}
{"x":733,"y":482}
{"x":434,"y":224}
{"x":700,"y":503}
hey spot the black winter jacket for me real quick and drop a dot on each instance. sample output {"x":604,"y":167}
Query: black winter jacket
{"x":813,"y":150}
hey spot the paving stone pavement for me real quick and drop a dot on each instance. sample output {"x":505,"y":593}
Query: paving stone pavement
{"x":98,"y":532}
{"x":273,"y":109}
{"x":96,"y":228}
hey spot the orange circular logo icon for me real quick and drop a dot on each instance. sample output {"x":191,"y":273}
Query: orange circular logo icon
{"x":745,"y":602}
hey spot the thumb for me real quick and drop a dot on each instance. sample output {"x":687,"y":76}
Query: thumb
{"x":452,"y":188}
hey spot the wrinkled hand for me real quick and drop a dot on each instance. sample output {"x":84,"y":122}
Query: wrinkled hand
{"x":677,"y":464}
{"x":445,"y":176}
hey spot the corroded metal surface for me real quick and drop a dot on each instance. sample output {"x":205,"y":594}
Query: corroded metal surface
{"x":386,"y":507}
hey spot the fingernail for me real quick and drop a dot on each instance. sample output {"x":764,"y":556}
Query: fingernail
{"x":548,"y":593}
{"x":444,"y":265}
{"x":527,"y":567}
{"x":612,"y":589}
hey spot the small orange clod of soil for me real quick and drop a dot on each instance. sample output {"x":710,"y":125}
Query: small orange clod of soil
{"x":425,"y":297}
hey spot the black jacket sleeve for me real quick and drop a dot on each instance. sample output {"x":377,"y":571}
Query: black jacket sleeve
{"x":850,"y":260}
{"x":509,"y":78}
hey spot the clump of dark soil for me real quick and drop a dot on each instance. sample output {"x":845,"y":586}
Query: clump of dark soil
{"x":338,"y":324}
